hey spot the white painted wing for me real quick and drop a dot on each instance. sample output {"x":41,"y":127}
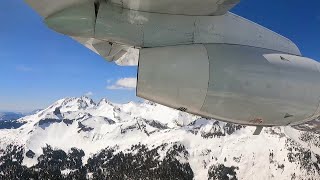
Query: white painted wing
{"x":128,"y":56}
{"x":124,"y":55}
{"x":180,"y":7}
{"x":47,"y":7}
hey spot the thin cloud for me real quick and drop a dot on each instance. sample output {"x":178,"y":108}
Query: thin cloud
{"x":124,"y":83}
{"x":89,"y":94}
{"x":129,"y":59}
{"x":23,"y":68}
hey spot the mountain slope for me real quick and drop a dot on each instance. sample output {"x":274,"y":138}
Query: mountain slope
{"x":150,"y":141}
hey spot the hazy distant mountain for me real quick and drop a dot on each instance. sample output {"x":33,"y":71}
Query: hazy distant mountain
{"x":76,"y":138}
{"x":6,"y":116}
{"x":32,"y":112}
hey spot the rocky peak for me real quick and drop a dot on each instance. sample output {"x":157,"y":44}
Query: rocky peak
{"x":104,"y":101}
{"x":152,"y":138}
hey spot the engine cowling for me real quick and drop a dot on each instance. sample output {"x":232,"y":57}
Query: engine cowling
{"x":233,"y":83}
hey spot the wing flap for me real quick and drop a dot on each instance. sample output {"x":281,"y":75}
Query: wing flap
{"x":122,"y":55}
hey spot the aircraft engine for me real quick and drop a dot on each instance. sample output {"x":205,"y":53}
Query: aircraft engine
{"x":233,"y":83}
{"x":217,"y":65}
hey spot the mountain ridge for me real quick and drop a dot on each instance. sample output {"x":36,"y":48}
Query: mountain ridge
{"x":210,"y":148}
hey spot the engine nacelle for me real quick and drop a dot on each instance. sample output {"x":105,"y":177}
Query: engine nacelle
{"x":233,"y":83}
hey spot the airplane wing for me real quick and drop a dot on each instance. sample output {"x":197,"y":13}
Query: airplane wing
{"x":48,"y":7}
{"x":181,"y":7}
{"x":123,"y":55}
{"x":171,"y":37}
{"x":120,"y":53}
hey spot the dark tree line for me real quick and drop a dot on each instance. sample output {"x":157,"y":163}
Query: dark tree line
{"x":138,"y":163}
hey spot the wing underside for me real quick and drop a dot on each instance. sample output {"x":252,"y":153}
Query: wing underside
{"x":177,"y":7}
{"x":48,"y":7}
{"x":126,"y":55}
{"x":112,"y":28}
{"x":181,"y":7}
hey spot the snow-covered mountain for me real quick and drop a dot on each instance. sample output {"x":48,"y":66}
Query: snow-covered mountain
{"x":76,"y":138}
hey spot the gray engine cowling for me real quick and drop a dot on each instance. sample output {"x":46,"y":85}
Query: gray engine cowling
{"x":233,"y":83}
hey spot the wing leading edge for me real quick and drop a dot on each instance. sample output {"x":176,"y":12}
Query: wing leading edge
{"x":176,"y":7}
{"x":180,"y":7}
{"x":112,"y":28}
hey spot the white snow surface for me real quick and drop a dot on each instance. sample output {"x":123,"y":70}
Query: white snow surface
{"x":108,"y":121}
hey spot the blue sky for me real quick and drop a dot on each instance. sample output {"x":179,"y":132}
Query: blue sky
{"x":39,"y":66}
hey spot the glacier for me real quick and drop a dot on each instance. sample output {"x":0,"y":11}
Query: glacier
{"x":167,"y":140}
